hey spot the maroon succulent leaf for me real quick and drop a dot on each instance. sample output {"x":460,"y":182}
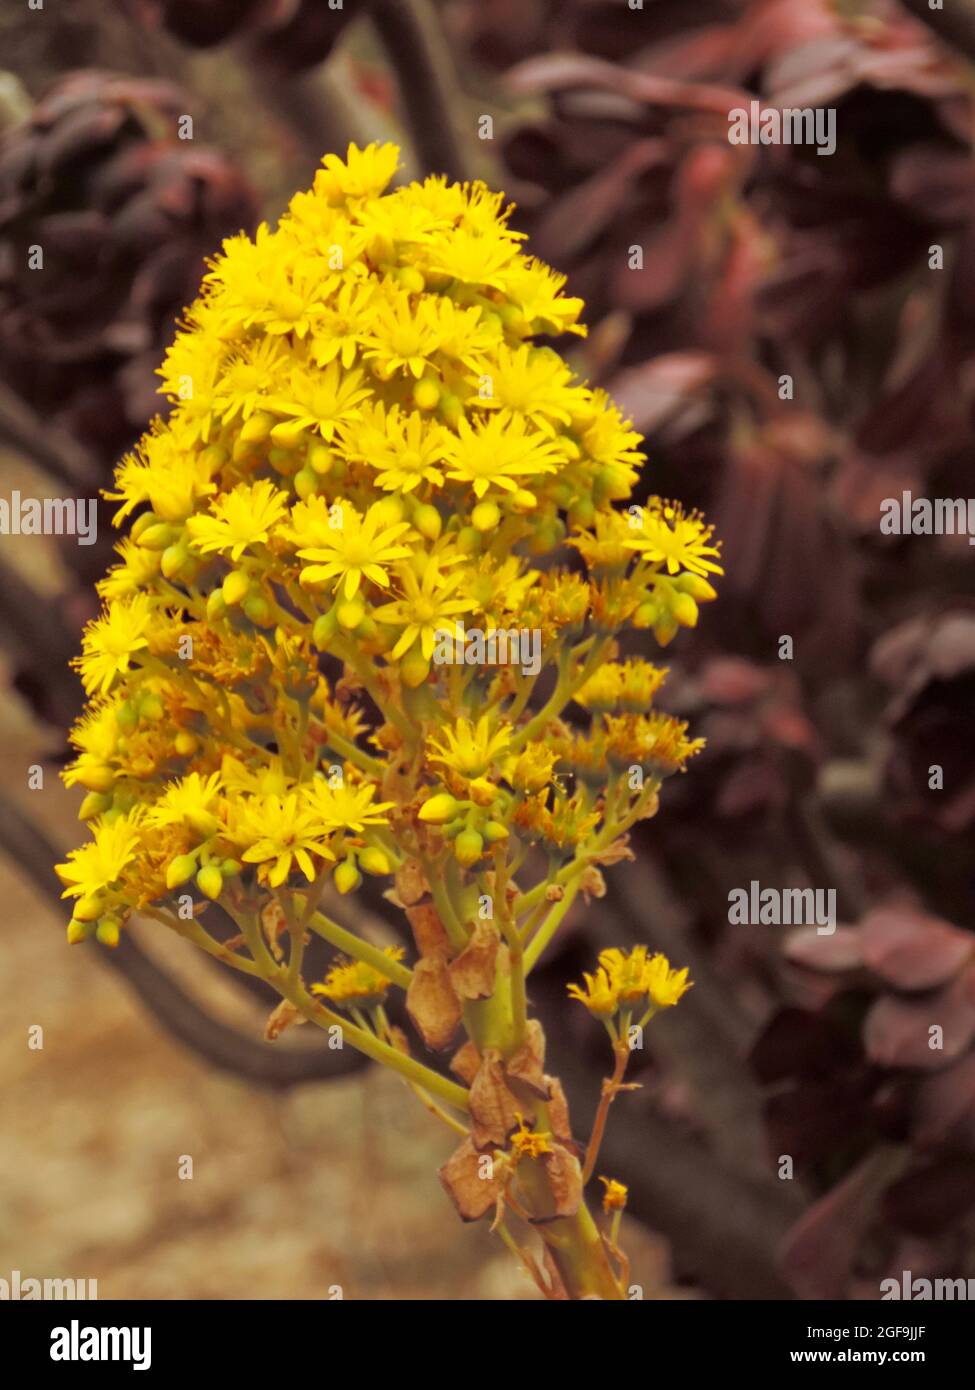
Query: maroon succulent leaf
{"x":898,"y":1032}
{"x":912,"y":951}
{"x":945,"y":1106}
{"x":931,"y":1199}
{"x":818,"y":1253}
{"x":839,"y":952}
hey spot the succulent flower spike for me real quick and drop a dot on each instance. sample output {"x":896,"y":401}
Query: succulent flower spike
{"x":374,"y":567}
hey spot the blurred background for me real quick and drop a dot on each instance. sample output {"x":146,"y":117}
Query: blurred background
{"x":798,"y":345}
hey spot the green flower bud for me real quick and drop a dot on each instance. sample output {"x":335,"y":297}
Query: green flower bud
{"x":468,"y":847}
{"x":326,"y":625}
{"x":216,"y":606}
{"x":151,"y":708}
{"x":108,"y":931}
{"x":258,"y":610}
{"x":468,"y":540}
{"x":306,"y":482}
{"x":94,"y":804}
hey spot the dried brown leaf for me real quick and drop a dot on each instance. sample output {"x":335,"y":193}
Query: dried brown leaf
{"x":429,"y":932}
{"x":472,"y":1194}
{"x":473,"y":972}
{"x":495,"y":1111}
{"x":432,"y":1003}
{"x":527,"y":1064}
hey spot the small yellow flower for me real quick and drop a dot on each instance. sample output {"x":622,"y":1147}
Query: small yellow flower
{"x":497,"y":452}
{"x":600,"y":995}
{"x":353,"y":984}
{"x":239,"y":520}
{"x":469,"y":749}
{"x":278,"y":832}
{"x":191,"y":802}
{"x":626,"y":972}
{"x":614,"y":1198}
{"x":363,"y":547}
{"x":98,"y":864}
{"x":112,"y":640}
{"x":346,"y":807}
{"x":429,"y":607}
{"x":680,"y":542}
{"x":526,"y":1143}
{"x":664,"y":987}
{"x":362,"y":174}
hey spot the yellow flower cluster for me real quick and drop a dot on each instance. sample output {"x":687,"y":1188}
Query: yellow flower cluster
{"x":365,"y":620}
{"x":623,"y":981}
{"x":368,"y":448}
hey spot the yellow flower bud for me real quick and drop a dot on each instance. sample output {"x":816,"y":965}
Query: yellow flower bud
{"x":180,"y":870}
{"x":374,"y":861}
{"x":439,"y":809}
{"x":320,"y":459}
{"x":89,"y":908}
{"x":174,"y":557}
{"x":426,"y":394}
{"x":97,"y":777}
{"x":696,"y":586}
{"x":94,"y":804}
{"x":236,"y":586}
{"x":414,"y":668}
{"x":485,"y":516}
{"x":350,"y":612}
{"x":684,"y":610}
{"x":287,"y":434}
{"x":428,"y":521}
{"x":210,"y":881}
{"x":346,"y":876}
{"x":79,"y":931}
{"x":257,"y":428}
{"x":158,"y":537}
